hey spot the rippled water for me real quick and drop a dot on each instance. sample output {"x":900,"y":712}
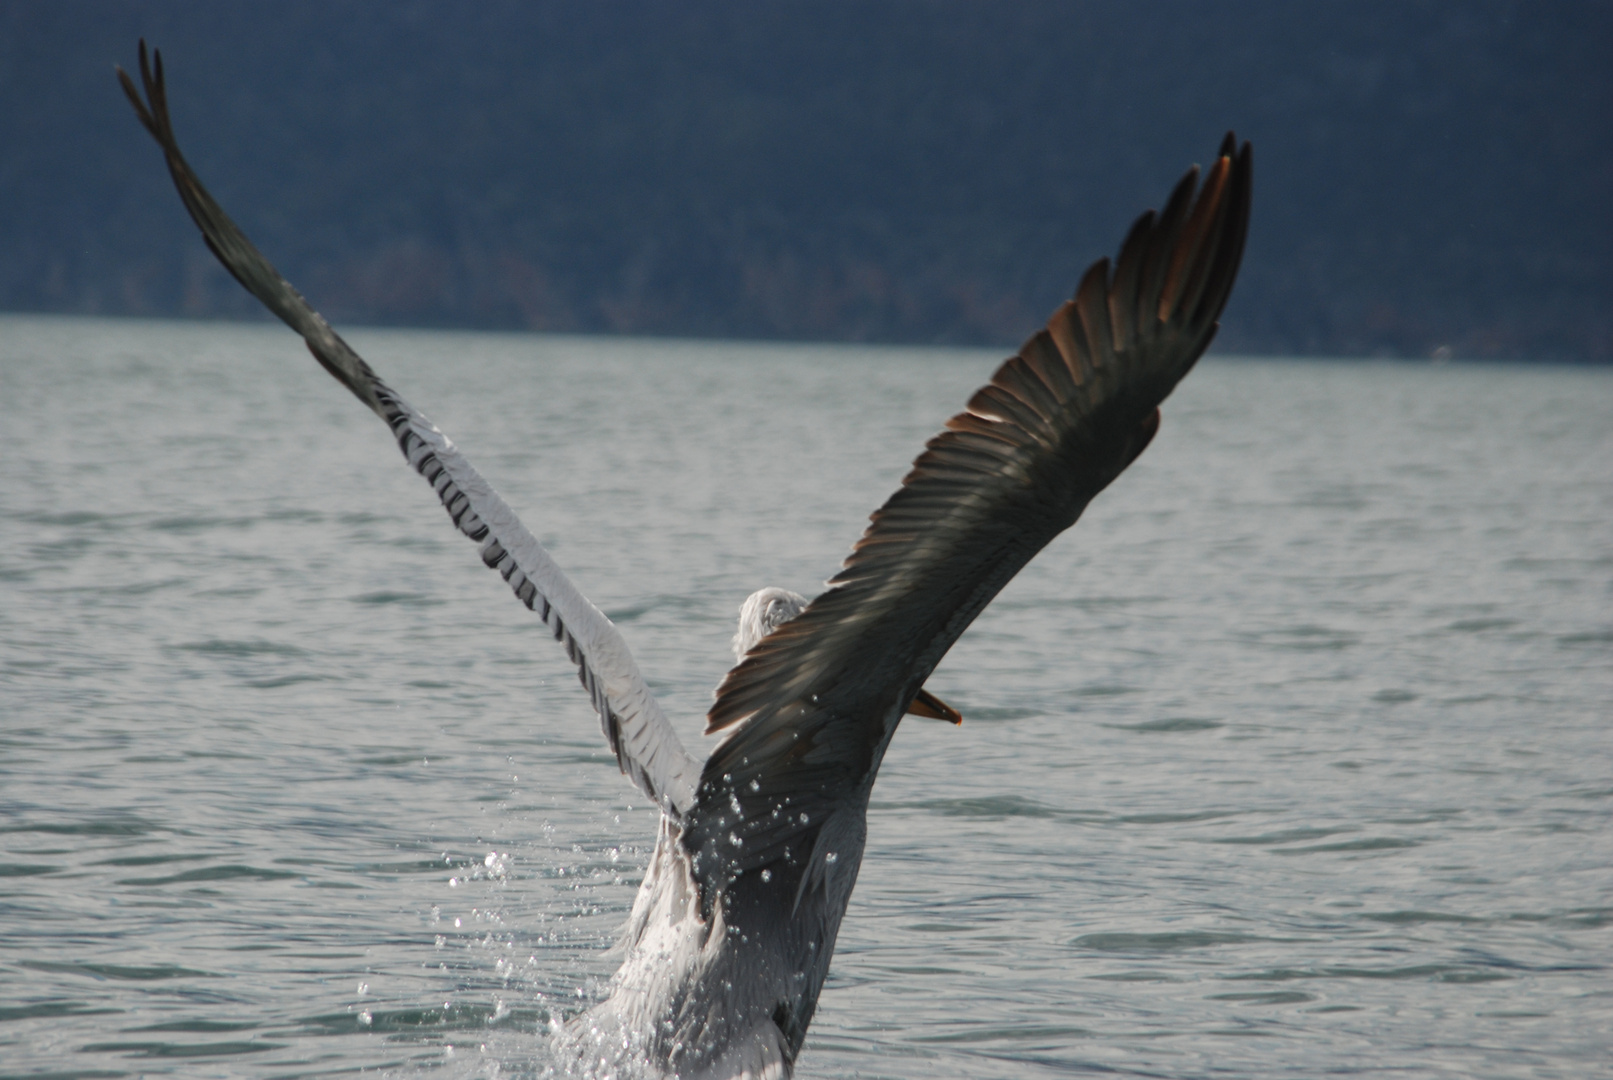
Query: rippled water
{"x":1291,"y":759}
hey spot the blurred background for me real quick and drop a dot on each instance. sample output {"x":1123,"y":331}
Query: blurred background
{"x":1432,"y":179}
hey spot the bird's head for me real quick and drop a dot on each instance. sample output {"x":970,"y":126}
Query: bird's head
{"x":764,"y":611}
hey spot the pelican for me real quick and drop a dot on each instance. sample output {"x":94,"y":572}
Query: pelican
{"x":731,"y":933}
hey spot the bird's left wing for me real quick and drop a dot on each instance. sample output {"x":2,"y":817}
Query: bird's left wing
{"x":646,"y":746}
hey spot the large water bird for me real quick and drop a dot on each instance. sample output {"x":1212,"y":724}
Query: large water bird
{"x":730,"y":936}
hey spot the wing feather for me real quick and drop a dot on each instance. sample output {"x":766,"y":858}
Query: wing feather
{"x":646,"y":746}
{"x":807,"y":713}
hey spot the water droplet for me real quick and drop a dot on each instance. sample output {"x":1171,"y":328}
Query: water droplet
{"x":363,"y":988}
{"x":767,"y":875}
{"x":803,"y":817}
{"x":365,"y":1019}
{"x":830,"y":856}
{"x":756,"y":785}
{"x":734,"y":839}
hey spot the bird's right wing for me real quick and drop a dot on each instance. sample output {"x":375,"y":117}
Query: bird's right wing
{"x":809,"y":711}
{"x":646,"y":746}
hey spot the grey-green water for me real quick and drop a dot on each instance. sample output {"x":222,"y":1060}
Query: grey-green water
{"x":1291,"y":759}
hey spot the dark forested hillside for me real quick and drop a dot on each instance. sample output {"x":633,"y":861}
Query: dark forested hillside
{"x":1429,"y":176}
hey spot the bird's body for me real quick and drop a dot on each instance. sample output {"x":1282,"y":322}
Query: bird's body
{"x":730,"y":938}
{"x":727,"y":994}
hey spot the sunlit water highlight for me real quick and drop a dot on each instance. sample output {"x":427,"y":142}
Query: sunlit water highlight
{"x":1291,"y":759}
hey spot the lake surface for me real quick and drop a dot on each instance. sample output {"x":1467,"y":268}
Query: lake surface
{"x":1293,"y":758}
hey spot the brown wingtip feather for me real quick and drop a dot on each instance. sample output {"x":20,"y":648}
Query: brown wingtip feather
{"x":1195,"y":232}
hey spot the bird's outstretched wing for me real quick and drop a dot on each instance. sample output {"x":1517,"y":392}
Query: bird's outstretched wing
{"x":811,"y":708}
{"x":645,"y":744}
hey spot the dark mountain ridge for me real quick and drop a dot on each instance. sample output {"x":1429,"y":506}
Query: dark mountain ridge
{"x":1431,"y":178}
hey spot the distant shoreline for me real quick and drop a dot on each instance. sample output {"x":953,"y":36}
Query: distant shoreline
{"x":359,"y":330}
